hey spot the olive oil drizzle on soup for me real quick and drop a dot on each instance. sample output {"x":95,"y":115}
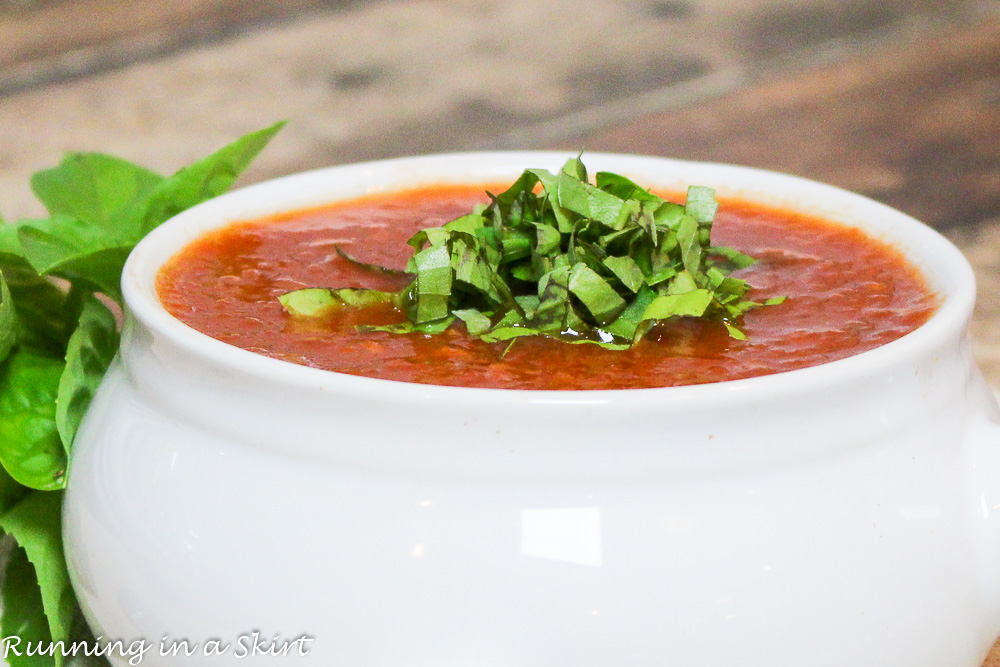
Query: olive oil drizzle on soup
{"x":847,"y":293}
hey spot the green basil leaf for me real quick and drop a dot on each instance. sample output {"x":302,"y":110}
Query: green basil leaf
{"x":516,"y":245}
{"x":476,"y":321}
{"x":365,"y":265}
{"x":687,"y":237}
{"x":734,"y":259}
{"x":198,"y":182}
{"x":308,"y":302}
{"x":8,"y":320}
{"x":509,"y":333}
{"x":23,"y":614}
{"x":10,"y":245}
{"x":35,"y":523}
{"x":734,"y":332}
{"x":471,"y":269}
{"x":553,"y":301}
{"x":93,"y":188}
{"x":469,"y":224}
{"x":574,"y":167}
{"x":91,"y":348}
{"x":11,"y":491}
{"x":550,"y":185}
{"x":30,"y":447}
{"x":77,"y":251}
{"x":428,"y":328}
{"x":627,"y":326}
{"x":682,"y":283}
{"x":595,"y":293}
{"x":45,"y":314}
{"x":606,"y":344}
{"x":688,"y":304}
{"x":588,"y":201}
{"x":623,"y":188}
{"x":664,"y":274}
{"x":627,"y":271}
{"x":433,"y":285}
{"x":318,"y":301}
{"x":548,"y":238}
{"x":701,"y":204}
{"x":520,"y":189}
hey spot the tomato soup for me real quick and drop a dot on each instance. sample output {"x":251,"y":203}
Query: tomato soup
{"x":846,"y":293}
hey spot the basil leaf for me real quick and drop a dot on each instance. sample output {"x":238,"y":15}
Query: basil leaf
{"x":476,"y":322}
{"x":629,"y":323}
{"x":734,"y":332}
{"x":589,"y":201}
{"x":198,"y":182}
{"x":548,"y":238}
{"x":623,"y":188}
{"x":701,"y":204}
{"x":30,"y":447}
{"x":627,"y":271}
{"x":365,"y":265}
{"x":92,"y":188}
{"x":595,"y":293}
{"x":308,"y":302}
{"x":81,"y":634}
{"x":433,"y":284}
{"x":8,"y":320}
{"x":664,"y":274}
{"x":682,"y":283}
{"x":429,"y":328}
{"x":75,"y":250}
{"x":91,"y":348}
{"x":553,"y":301}
{"x":509,"y":333}
{"x":688,"y":304}
{"x":315,"y":301}
{"x":23,"y":614}
{"x":687,"y":238}
{"x":606,"y":344}
{"x":35,"y":523}
{"x":10,"y":246}
{"x":45,"y":314}
{"x":11,"y":491}
{"x":734,"y":259}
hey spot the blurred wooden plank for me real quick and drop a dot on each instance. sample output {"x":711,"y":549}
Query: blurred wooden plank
{"x":52,"y":41}
{"x":916,"y":126}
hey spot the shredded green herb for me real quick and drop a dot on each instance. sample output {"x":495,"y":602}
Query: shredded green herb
{"x":579,"y":262}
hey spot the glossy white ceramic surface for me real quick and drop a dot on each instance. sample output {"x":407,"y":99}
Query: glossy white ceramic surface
{"x":838,"y":515}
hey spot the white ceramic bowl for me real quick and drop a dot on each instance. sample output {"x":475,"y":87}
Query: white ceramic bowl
{"x":838,"y":515}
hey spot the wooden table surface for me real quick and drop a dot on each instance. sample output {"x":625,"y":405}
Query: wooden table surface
{"x":896,"y":99}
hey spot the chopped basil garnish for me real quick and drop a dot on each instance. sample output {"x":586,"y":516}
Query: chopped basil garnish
{"x":575,"y":261}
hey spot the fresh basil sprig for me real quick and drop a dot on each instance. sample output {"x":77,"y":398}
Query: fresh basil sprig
{"x":572,"y":260}
{"x":57,"y":339}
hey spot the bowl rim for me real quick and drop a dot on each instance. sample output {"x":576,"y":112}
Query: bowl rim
{"x":947,"y":323}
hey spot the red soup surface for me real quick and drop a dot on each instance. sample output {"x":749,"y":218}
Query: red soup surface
{"x":847,"y":293}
